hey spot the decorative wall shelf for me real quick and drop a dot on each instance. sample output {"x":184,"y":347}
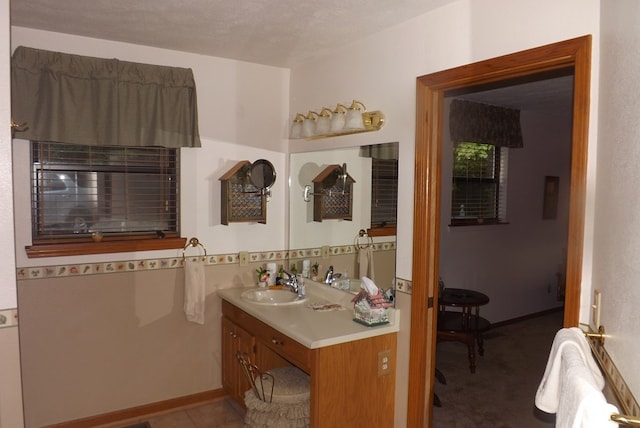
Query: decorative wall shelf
{"x":241,"y":201}
{"x":332,"y":199}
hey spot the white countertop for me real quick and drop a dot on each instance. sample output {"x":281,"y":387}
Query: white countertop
{"x":313,"y":329}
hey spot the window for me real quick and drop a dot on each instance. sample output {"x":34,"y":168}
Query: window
{"x":384,"y":193}
{"x":122,"y":193}
{"x":479,"y":184}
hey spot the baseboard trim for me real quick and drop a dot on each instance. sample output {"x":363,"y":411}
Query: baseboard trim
{"x":526,"y":317}
{"x":137,"y":413}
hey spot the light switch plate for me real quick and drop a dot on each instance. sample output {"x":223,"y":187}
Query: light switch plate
{"x":243,"y":258}
{"x":326,"y":252}
{"x":595,"y":309}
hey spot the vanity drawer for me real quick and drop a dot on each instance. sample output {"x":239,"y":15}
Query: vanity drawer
{"x":280,"y":343}
{"x":283,"y":345}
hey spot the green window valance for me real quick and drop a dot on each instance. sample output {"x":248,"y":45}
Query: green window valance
{"x":471,"y":122}
{"x":102,"y":102}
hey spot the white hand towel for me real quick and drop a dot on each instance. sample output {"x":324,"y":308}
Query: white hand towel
{"x":194,"y":290}
{"x":549,"y":391}
{"x":365,"y":261}
{"x":582,"y":404}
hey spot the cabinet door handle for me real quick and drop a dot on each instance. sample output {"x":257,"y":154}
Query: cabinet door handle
{"x":276,"y":341}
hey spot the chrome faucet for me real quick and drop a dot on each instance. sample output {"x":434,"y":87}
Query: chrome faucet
{"x":332,"y":278}
{"x":293,"y":283}
{"x":328,"y":277}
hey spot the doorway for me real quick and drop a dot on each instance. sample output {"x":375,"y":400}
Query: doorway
{"x":575,"y":54}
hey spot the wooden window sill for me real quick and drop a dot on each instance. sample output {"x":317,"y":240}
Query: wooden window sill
{"x":382,"y":231}
{"x":103,"y":247}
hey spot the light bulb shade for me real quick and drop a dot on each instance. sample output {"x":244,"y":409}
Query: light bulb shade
{"x":309,"y":124}
{"x":354,"y":118}
{"x":339,"y":118}
{"x":323,"y":125}
{"x":296,"y":127}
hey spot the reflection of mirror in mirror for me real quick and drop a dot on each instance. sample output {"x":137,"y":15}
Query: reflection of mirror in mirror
{"x":307,"y":238}
{"x":262,"y":174}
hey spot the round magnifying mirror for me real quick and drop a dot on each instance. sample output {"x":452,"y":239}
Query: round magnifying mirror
{"x":262,"y":174}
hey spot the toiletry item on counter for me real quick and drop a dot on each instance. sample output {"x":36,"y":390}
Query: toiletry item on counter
{"x":272,"y":270}
{"x":345,"y":282}
{"x":306,"y":268}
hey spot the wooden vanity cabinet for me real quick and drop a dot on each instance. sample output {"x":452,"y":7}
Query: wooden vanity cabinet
{"x":347,"y":387}
{"x":235,"y":339}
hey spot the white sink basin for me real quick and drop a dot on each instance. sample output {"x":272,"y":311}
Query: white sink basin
{"x":271,"y":297}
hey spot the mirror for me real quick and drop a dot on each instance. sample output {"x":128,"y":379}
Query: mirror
{"x":262,"y":174}
{"x":334,"y":242}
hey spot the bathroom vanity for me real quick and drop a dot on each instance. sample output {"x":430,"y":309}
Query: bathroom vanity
{"x":352,"y":367}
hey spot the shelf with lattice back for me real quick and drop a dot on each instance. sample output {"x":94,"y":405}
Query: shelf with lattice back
{"x":241,"y":201}
{"x":332,"y":199}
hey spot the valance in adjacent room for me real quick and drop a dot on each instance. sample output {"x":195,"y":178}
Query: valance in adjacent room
{"x":107,"y":102}
{"x":471,"y":122}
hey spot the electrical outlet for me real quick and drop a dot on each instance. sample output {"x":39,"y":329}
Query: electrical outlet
{"x":326,"y":251}
{"x":384,"y":362}
{"x":595,"y":309}
{"x":243,"y":258}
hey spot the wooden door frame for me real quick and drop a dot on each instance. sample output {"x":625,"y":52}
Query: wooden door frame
{"x":430,"y":92}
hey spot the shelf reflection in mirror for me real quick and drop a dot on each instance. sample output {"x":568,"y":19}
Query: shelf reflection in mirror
{"x":309,"y":239}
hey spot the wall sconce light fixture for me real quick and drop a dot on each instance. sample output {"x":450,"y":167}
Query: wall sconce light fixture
{"x":340,"y":121}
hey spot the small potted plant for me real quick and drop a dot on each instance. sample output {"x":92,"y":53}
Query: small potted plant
{"x":263,"y":276}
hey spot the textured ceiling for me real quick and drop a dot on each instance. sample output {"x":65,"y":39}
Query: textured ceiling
{"x":272,"y":32}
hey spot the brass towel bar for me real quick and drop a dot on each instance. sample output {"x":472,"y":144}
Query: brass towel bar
{"x":597,"y":341}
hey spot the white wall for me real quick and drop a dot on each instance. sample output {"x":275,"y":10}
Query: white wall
{"x":616,"y":265}
{"x":381,"y":71}
{"x":242,"y":111}
{"x":10,"y":387}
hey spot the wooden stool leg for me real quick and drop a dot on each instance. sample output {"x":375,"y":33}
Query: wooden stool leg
{"x":480,"y":344}
{"x":471,"y":347}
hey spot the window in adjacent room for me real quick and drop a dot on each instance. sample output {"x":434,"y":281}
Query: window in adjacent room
{"x":479,"y":189}
{"x":119,"y":192}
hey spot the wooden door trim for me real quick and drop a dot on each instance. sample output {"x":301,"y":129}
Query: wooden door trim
{"x":430,"y":91}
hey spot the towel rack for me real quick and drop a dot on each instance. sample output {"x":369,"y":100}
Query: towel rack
{"x":362,"y":234}
{"x":194,"y":242}
{"x":596,"y":343}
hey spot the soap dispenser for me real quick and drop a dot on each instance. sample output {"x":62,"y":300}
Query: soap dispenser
{"x":345,"y":282}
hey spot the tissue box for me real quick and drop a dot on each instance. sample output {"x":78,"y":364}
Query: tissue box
{"x":370,"y":316}
{"x":370,"y":310}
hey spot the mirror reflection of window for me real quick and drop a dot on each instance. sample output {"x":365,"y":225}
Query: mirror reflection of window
{"x":384,"y":187}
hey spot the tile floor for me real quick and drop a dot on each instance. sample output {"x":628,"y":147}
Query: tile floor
{"x":217,"y":414}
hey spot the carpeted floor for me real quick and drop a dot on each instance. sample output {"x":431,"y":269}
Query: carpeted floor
{"x":501,"y":392}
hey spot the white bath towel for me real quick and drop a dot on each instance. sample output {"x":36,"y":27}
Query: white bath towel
{"x":194,"y":290}
{"x":365,"y":261}
{"x":548,"y":394}
{"x":582,"y":403}
{"x":572,"y":384}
